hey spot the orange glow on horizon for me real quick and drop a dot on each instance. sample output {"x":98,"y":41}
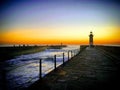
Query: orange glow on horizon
{"x":51,"y":36}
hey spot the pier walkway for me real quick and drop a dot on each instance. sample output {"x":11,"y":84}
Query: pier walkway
{"x":92,"y":69}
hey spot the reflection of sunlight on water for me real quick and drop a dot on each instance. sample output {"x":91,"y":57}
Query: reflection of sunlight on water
{"x":24,"y":70}
{"x":35,"y":64}
{"x":44,"y":65}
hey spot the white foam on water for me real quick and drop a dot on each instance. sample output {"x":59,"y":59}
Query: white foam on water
{"x":23,"y":70}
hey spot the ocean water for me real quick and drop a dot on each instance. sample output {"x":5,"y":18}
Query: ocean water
{"x":23,"y":70}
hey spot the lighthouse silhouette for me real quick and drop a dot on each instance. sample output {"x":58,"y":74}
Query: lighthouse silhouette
{"x":91,"y":39}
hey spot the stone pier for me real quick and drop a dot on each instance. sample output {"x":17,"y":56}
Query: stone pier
{"x":92,"y":69}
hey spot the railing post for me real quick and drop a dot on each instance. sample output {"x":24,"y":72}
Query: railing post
{"x":40,"y":69}
{"x":63,"y":59}
{"x":71,"y":53}
{"x":68,"y":55}
{"x":78,"y":51}
{"x":54,"y":62}
{"x":74,"y":52}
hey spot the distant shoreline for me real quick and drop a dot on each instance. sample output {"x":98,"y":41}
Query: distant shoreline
{"x":7,"y":53}
{"x":17,"y":45}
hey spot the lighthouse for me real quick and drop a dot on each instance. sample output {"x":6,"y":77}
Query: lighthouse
{"x":91,"y":39}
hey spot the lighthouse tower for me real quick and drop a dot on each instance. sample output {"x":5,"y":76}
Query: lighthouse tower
{"x":91,"y":39}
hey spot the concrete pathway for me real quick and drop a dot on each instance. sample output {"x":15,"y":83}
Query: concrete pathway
{"x":90,"y":70}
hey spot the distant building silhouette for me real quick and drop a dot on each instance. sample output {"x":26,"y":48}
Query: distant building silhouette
{"x":91,"y":39}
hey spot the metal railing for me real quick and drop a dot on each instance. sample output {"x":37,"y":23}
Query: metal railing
{"x":70,"y":52}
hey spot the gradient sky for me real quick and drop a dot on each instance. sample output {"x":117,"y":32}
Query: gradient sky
{"x":56,"y":21}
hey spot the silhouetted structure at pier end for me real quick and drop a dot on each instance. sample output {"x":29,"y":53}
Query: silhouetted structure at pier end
{"x":91,"y":40}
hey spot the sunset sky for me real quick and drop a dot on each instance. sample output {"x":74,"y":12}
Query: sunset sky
{"x":59,"y":21}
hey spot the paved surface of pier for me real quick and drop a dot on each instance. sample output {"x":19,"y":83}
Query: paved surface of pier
{"x":92,"y":69}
